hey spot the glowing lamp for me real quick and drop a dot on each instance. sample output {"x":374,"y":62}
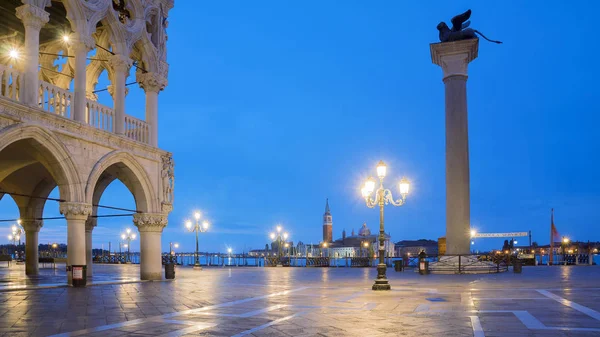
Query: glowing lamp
{"x":13,"y":53}
{"x":404,"y":186}
{"x":370,"y":185}
{"x":381,"y":169}
{"x":197,"y":215}
{"x":272,"y":236}
{"x":188,"y":224}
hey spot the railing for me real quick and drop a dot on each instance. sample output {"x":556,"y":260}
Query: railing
{"x":100,"y":116}
{"x":11,"y":82}
{"x":136,"y":129}
{"x":55,"y":100}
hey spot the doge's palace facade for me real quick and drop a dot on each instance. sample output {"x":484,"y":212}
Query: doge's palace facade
{"x":54,"y":132}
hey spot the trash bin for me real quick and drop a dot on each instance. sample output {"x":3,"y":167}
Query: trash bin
{"x":169,"y":271}
{"x":78,"y":275}
{"x":398,"y":265}
{"x":423,"y":267}
{"x":518,"y":267}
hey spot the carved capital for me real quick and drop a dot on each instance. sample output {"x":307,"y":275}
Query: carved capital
{"x":75,"y":210}
{"x":151,"y":82}
{"x":78,"y":42}
{"x":150,"y":222}
{"x":32,"y":225}
{"x":111,"y":90}
{"x":91,"y":96}
{"x":33,"y":16}
{"x":119,"y":63}
{"x":454,"y":57}
{"x":90,"y":223}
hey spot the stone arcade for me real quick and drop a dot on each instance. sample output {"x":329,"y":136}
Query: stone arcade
{"x":51,"y":136}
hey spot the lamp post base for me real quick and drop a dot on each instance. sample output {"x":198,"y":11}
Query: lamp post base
{"x":381,"y":283}
{"x":128,"y":262}
{"x":197,"y":266}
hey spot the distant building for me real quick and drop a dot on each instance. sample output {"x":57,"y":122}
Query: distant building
{"x":327,"y":224}
{"x":414,"y":247}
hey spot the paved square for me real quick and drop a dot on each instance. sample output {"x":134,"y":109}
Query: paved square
{"x":543,"y":301}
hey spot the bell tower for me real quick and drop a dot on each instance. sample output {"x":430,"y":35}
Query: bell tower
{"x":327,"y":224}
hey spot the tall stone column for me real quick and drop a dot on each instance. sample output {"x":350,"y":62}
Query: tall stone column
{"x":80,"y":46}
{"x":76,"y":214}
{"x":454,"y":58}
{"x":34,"y":18}
{"x":90,"y":223}
{"x":152,"y":83}
{"x":150,"y":226}
{"x":32,"y":229}
{"x":120,"y":65}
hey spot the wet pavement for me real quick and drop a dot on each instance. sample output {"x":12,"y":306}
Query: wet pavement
{"x":251,"y":301}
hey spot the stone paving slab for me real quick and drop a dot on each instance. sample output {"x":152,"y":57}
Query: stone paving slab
{"x":543,"y":301}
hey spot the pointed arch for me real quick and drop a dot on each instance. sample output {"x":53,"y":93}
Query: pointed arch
{"x":51,"y":153}
{"x":125,"y":167}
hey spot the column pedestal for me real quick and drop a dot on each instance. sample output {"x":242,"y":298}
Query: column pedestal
{"x":152,"y":83}
{"x":120,"y":65}
{"x":150,"y":226}
{"x":32,"y":229}
{"x":76,"y":215}
{"x":80,"y":46}
{"x":34,"y":18}
{"x":454,"y":58}
{"x":90,"y":223}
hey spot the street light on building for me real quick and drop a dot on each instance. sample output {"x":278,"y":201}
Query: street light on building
{"x":382,"y":197}
{"x":128,"y":236}
{"x":198,"y":229}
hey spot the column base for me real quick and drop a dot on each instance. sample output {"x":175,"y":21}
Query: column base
{"x":151,"y":276}
{"x":197,"y":267}
{"x":381,"y":284}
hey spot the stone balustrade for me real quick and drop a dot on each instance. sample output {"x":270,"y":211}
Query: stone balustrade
{"x":136,"y":129}
{"x":10,"y":82}
{"x":100,"y":116}
{"x":58,"y":101}
{"x":55,"y":100}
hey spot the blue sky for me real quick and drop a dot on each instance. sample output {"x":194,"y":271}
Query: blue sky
{"x":272,"y":107}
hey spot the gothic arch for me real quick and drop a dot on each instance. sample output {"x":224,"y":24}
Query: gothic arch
{"x":125,"y":167}
{"x":53,"y":156}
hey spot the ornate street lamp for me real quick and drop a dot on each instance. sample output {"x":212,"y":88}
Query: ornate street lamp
{"x":198,"y":229}
{"x":280,"y":236}
{"x":128,"y":236}
{"x":382,"y":197}
{"x":171,"y":245}
{"x":17,"y":231}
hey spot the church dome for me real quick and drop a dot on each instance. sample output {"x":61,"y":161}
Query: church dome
{"x":364,"y":230}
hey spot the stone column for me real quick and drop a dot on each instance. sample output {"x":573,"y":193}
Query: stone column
{"x":76,"y":215}
{"x":34,"y":18}
{"x":150,"y":226}
{"x":32,"y":229}
{"x":152,"y":83}
{"x":120,"y":65}
{"x":90,"y":223}
{"x":80,"y":46}
{"x":454,"y":58}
